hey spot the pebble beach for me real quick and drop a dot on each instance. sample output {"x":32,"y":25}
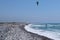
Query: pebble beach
{"x":16,"y":31}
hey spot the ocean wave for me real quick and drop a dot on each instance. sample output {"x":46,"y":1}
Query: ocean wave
{"x":50,"y":34}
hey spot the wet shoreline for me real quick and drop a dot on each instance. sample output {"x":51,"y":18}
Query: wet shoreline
{"x":18,"y":28}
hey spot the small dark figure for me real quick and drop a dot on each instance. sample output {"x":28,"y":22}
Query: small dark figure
{"x":37,"y":3}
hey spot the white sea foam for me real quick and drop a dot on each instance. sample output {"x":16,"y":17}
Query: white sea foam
{"x":49,"y":34}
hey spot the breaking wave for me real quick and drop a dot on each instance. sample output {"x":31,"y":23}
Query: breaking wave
{"x":49,"y":30}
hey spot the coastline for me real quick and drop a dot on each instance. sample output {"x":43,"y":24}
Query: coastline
{"x":17,"y":32}
{"x":35,"y":32}
{"x":45,"y":33}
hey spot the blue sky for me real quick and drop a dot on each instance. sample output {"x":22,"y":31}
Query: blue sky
{"x":27,"y":11}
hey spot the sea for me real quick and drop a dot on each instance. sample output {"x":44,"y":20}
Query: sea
{"x":55,"y":27}
{"x":50,"y":30}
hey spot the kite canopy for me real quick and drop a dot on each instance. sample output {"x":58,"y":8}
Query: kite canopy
{"x":37,"y":3}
